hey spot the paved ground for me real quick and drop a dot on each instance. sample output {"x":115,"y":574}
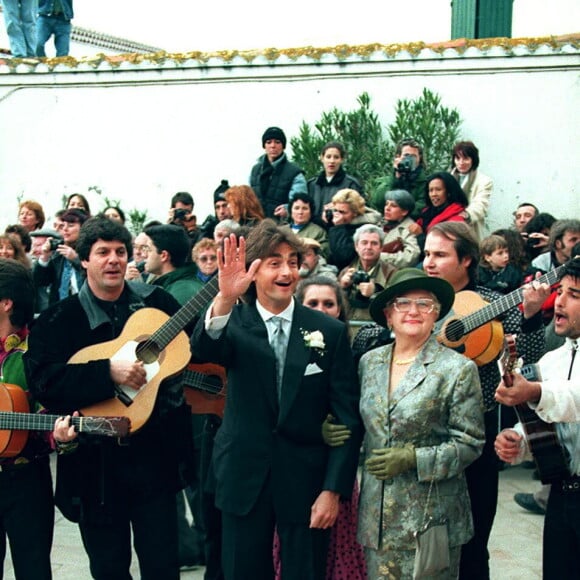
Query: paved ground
{"x":515,"y":543}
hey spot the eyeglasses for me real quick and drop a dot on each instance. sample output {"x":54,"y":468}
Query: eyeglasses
{"x":204,"y":259}
{"x":141,"y":248}
{"x":424,"y":305}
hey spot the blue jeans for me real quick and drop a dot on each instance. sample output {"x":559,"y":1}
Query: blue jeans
{"x":20,"y":20}
{"x":46,"y":26}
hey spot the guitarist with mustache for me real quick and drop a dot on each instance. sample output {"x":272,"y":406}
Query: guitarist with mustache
{"x":26,"y":502}
{"x":112,"y":488}
{"x":452,"y":253}
{"x":556,"y":399}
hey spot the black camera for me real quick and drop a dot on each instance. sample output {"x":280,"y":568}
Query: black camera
{"x":532,"y":242}
{"x":54,"y":243}
{"x":408,"y":164}
{"x":328,"y":214}
{"x":179,"y":214}
{"x":360,"y":276}
{"x":140,"y":267}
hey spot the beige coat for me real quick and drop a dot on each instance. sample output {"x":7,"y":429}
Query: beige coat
{"x":477,"y":188}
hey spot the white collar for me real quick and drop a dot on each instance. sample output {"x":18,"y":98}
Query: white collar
{"x":286,"y":314}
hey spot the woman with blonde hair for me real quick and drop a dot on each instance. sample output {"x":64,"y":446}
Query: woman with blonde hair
{"x":348,"y":213}
{"x":244,"y":205}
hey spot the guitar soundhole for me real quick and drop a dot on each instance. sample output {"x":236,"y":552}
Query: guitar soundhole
{"x":148,"y":352}
{"x":454,"y":331}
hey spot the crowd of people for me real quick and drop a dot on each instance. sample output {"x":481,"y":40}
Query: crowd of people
{"x":330,"y":312}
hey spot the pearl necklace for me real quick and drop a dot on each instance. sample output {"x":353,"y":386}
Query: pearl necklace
{"x":406,"y":361}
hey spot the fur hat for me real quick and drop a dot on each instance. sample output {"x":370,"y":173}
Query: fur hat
{"x":274,"y":133}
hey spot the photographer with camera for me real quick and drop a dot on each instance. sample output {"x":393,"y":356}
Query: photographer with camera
{"x":348,"y":213}
{"x":408,"y":173}
{"x":367,"y":274}
{"x":181,"y":214}
{"x":59,"y":267}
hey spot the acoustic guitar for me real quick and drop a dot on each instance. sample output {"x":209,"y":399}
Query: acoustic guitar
{"x":471,"y":328}
{"x":154,"y":338}
{"x":549,"y":455}
{"x":205,"y":388}
{"x":16,"y":421}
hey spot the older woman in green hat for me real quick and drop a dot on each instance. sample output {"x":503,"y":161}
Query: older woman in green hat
{"x":422,"y":409}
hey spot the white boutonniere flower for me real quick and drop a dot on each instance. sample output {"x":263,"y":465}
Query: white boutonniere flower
{"x":314,"y":340}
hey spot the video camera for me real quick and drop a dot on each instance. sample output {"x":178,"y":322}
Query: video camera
{"x":407,"y":165}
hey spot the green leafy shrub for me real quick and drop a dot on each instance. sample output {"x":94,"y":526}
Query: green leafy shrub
{"x":436,"y":127}
{"x":370,"y":148}
{"x":360,"y":132}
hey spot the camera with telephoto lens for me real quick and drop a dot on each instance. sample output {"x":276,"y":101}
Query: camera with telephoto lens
{"x":54,"y":243}
{"x":360,"y":276}
{"x":408,"y":164}
{"x":179,"y":214}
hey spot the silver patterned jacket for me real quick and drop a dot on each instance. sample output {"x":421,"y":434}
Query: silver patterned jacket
{"x":437,"y":407}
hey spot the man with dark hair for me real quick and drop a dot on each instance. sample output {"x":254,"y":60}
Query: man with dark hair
{"x":523,"y":214}
{"x":408,"y":173}
{"x":556,"y":399}
{"x":114,"y":487}
{"x":564,"y":234}
{"x":167,"y":259}
{"x":275,"y":179}
{"x":451,"y":252}
{"x":26,"y":504}
{"x":288,"y":367}
{"x":59,"y":265}
{"x":181,"y":214}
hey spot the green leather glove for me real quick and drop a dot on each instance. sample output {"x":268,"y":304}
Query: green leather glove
{"x":334,"y":435}
{"x":387,"y":462}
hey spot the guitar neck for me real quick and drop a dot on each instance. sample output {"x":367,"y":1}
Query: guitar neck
{"x":108,"y":426}
{"x":503,"y":304}
{"x":168,"y":331}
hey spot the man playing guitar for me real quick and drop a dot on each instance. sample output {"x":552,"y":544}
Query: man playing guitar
{"x":556,"y":399}
{"x":452,"y":253}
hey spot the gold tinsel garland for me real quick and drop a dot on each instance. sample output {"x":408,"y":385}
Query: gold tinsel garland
{"x":341,"y":52}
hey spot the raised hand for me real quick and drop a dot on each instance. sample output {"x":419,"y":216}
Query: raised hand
{"x":234,"y":278}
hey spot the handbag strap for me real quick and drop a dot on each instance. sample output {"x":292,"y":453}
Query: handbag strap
{"x":433,"y":483}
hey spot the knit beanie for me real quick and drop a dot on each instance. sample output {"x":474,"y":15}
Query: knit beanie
{"x":274,"y":133}
{"x":402,"y":198}
{"x":218,"y":194}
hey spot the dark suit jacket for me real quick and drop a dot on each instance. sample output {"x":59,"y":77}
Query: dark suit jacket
{"x":261,"y":438}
